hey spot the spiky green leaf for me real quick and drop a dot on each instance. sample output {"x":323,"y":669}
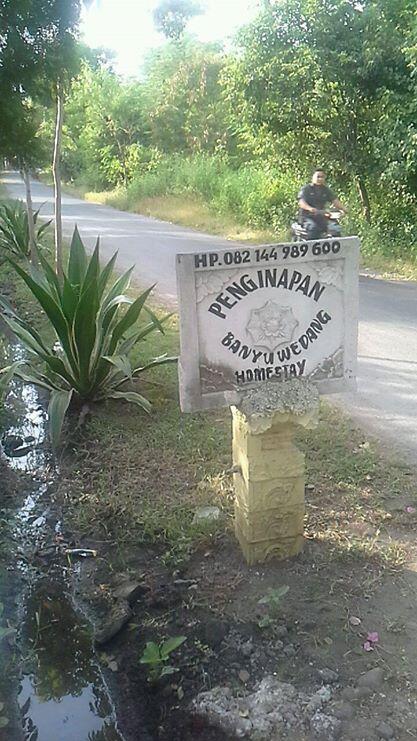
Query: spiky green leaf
{"x":57,"y":409}
{"x":131,"y":316}
{"x":77,"y":265}
{"x":133,"y":397}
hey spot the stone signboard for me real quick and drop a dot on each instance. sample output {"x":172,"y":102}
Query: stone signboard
{"x":267,"y":313}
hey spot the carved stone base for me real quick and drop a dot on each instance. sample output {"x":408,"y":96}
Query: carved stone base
{"x":270,"y":472}
{"x":266,"y":549}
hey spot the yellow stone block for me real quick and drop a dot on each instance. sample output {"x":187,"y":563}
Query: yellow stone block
{"x":269,"y":493}
{"x":269,"y":524}
{"x":284,"y":463}
{"x":265,"y":549}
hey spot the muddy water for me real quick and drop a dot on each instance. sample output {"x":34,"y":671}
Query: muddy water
{"x":51,"y":682}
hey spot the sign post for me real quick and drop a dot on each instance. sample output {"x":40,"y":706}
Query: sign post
{"x":264,"y":330}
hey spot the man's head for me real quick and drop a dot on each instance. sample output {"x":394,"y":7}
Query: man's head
{"x":319,"y":177}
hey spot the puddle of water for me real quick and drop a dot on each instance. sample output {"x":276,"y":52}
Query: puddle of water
{"x":63,"y":696}
{"x":24,"y":416}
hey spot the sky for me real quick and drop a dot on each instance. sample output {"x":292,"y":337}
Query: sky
{"x":126,"y":27}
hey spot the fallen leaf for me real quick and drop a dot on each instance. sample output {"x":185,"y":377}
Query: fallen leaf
{"x":372,"y":637}
{"x":368,"y":646}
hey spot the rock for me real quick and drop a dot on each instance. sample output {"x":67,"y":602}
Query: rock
{"x":384,"y":730}
{"x":372,"y":679}
{"x":319,"y":698}
{"x":289,"y":650}
{"x":349,"y":693}
{"x":118,"y":616}
{"x":247,"y":648}
{"x":244,"y":676}
{"x":130,"y":591}
{"x":281,"y":631}
{"x":325,"y":727}
{"x":328,"y":675}
{"x":343,"y":710}
{"x":222,"y":710}
{"x":273,"y":710}
{"x":324,"y":693}
{"x":206,"y":514}
{"x":363,"y":692}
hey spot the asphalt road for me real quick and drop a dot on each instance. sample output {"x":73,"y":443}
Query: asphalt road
{"x":386,"y":400}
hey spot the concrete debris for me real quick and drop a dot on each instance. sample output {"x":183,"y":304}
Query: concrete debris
{"x":269,"y":712}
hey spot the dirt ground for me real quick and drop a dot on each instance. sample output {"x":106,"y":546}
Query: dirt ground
{"x":322,"y":623}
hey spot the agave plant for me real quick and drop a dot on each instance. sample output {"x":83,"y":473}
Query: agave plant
{"x":95,"y":333}
{"x":14,"y":229}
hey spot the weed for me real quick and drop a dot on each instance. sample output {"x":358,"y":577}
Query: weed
{"x":273,"y":603}
{"x":155,"y":655}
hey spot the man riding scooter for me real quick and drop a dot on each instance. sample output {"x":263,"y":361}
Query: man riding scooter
{"x":312,"y":200}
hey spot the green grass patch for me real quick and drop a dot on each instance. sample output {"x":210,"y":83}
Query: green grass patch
{"x":187,"y":211}
{"x":139,"y":479}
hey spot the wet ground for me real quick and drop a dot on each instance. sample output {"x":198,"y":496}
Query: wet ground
{"x":51,"y":686}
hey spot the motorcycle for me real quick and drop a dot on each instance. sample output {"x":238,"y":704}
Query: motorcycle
{"x":333,"y":229}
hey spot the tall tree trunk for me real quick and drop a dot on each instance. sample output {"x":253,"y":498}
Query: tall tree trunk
{"x":29,"y":208}
{"x":364,"y":197}
{"x":56,"y":170}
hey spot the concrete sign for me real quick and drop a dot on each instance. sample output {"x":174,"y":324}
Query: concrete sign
{"x":267,"y":313}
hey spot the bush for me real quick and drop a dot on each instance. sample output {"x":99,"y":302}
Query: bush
{"x":257,"y":196}
{"x":90,"y":361}
{"x":14,"y":229}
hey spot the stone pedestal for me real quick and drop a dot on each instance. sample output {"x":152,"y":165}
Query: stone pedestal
{"x":269,"y":476}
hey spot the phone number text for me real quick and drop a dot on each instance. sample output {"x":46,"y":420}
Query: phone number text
{"x":265,"y":254}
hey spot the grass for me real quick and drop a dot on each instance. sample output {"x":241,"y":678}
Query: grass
{"x":191,"y":212}
{"x":139,"y":479}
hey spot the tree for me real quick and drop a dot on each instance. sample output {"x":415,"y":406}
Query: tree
{"x":38,"y":43}
{"x":172,"y":16}
{"x":105,"y":132}
{"x":183,"y":97}
{"x":311,"y":79}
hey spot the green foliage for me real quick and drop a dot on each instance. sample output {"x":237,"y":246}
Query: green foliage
{"x":258,"y":196}
{"x":157,"y":654}
{"x":14,"y":229}
{"x":4,"y":632}
{"x":90,"y":361}
{"x":37,"y":47}
{"x":104,"y":130}
{"x":183,"y":98}
{"x":273,"y":604}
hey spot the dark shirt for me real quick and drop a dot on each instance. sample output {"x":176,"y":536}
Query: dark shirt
{"x":316,"y":196}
